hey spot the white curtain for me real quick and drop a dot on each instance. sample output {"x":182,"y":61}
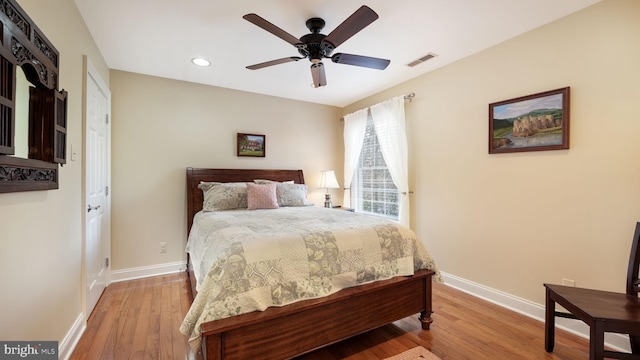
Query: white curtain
{"x":355,"y":125}
{"x":389,"y":123}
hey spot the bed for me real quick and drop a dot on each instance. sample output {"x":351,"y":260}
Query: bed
{"x":281,"y":332}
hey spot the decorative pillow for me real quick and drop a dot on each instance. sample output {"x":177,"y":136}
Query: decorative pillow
{"x":292,"y":194}
{"x":204,"y":186}
{"x":224,"y":196}
{"x":259,"y":181}
{"x":261,"y":196}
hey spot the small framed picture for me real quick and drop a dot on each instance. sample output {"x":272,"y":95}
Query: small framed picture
{"x":251,"y":145}
{"x":530,"y":123}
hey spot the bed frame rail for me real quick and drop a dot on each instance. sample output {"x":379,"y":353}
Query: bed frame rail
{"x":285,"y":332}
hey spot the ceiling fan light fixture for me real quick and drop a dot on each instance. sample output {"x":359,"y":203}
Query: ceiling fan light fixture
{"x":201,"y":62}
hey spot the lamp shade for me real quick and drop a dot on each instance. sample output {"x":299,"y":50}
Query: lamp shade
{"x":328,"y":180}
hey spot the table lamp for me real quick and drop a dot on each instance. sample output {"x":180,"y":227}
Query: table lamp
{"x":328,"y":181}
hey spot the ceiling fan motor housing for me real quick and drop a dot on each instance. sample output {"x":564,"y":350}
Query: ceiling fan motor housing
{"x":315,"y":48}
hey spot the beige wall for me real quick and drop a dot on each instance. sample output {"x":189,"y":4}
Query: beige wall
{"x":162,"y":126}
{"x":514,"y":221}
{"x":42,"y":231}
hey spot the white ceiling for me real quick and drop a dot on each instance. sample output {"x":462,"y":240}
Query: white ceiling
{"x":160,"y":37}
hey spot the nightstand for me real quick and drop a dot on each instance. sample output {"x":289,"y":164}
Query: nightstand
{"x":345,"y":209}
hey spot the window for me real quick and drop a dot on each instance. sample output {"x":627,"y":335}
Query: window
{"x":372,"y":189}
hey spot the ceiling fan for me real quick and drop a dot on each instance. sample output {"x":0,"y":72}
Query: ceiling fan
{"x":316,"y":46}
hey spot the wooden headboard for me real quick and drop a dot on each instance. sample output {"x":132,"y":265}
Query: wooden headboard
{"x":195,"y":176}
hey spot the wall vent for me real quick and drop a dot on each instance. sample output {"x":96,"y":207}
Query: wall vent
{"x":422,"y":59}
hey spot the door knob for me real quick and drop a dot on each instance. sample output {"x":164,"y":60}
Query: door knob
{"x":89,"y":207}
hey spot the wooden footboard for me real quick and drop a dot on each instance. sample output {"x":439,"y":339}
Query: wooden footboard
{"x":292,"y":330}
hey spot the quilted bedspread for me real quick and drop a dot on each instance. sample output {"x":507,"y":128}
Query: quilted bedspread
{"x":248,"y":260}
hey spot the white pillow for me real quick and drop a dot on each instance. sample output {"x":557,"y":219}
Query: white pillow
{"x":259,"y":181}
{"x":292,"y":194}
{"x":224,"y":196}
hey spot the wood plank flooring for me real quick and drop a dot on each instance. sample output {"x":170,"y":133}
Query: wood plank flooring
{"x":139,"y":319}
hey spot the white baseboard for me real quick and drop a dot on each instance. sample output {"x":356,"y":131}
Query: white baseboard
{"x":535,"y":311}
{"x":65,"y":349}
{"x":147,"y":271}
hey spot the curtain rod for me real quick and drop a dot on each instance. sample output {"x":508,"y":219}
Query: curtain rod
{"x":409,"y":97}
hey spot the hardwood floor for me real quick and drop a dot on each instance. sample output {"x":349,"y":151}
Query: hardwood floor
{"x":139,"y":319}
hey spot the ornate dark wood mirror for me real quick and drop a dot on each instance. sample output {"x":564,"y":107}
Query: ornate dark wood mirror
{"x":33,"y":113}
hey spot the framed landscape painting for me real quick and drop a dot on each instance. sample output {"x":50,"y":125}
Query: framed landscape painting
{"x":251,"y":145}
{"x":530,"y":123}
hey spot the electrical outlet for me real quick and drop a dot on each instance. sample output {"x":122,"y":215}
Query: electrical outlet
{"x":568,"y":282}
{"x":163,"y":247}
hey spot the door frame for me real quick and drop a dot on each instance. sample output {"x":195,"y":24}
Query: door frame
{"x":89,"y":71}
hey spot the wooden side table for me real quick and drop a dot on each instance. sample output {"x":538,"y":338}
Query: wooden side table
{"x":344,"y":208}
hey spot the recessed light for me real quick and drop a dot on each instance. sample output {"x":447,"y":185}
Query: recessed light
{"x":201,"y":61}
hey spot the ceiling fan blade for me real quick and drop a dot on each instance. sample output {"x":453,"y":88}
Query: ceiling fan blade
{"x":274,"y":62}
{"x":354,"y":23}
{"x":266,"y":25}
{"x":319,"y":77}
{"x":359,"y":60}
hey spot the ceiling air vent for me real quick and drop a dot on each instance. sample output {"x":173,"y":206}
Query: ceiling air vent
{"x":422,"y":59}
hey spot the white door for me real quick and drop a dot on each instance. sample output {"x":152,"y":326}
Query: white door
{"x":97,"y":207}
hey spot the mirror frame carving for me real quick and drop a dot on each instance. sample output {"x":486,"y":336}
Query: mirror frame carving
{"x":23,"y":44}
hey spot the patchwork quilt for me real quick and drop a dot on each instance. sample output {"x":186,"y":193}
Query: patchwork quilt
{"x":249,"y":260}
